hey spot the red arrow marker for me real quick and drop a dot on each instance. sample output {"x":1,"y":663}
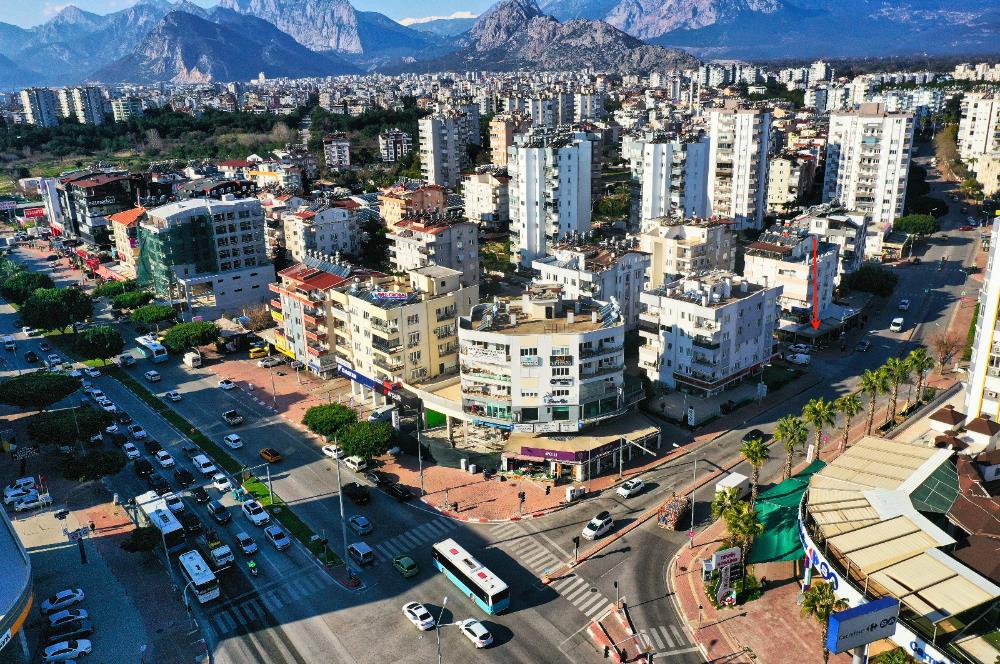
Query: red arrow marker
{"x":814,"y":321}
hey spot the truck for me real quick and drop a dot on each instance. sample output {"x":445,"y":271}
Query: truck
{"x":358,"y":493}
{"x":669,"y":513}
{"x":734,"y":480}
{"x":218,"y":554}
{"x":192,"y":359}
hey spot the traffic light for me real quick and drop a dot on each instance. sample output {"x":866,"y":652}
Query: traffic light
{"x":576,"y":541}
{"x":548,"y":489}
{"x":520,"y":496}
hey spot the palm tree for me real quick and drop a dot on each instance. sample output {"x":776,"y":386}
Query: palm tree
{"x":724,"y":502}
{"x":921,"y":364}
{"x":819,"y":413}
{"x":849,"y":405}
{"x":899,"y":372}
{"x":743,"y":526}
{"x":791,"y":433}
{"x":873,"y":383}
{"x":756,"y":453}
{"x":819,"y":602}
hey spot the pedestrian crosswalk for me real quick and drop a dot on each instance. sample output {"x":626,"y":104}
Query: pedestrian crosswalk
{"x":253,"y":608}
{"x":413,"y":538}
{"x":524,"y":548}
{"x":587,"y":599}
{"x":663,"y":638}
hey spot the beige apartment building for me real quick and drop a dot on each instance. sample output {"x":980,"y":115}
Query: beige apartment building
{"x":503,"y":128}
{"x":684,"y":247}
{"x":397,"y":203}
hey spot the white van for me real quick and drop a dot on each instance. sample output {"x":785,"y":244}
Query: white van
{"x":382,"y":414}
{"x":355,"y":463}
{"x":896,"y":325}
{"x":8,"y":343}
{"x":361,"y":553}
{"x":204,"y":464}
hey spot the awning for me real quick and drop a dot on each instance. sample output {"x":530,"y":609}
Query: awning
{"x":778,"y":510}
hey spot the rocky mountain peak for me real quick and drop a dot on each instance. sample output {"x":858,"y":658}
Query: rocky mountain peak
{"x":502,"y":22}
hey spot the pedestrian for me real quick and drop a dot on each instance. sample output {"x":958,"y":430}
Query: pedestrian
{"x":93,"y":527}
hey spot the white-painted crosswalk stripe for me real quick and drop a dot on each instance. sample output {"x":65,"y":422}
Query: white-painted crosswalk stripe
{"x":535,"y":555}
{"x":567,"y":586}
{"x":595,"y":604}
{"x":666,"y":639}
{"x":545,"y":563}
{"x":408,"y":540}
{"x":678,"y":634}
{"x":578,"y":593}
{"x":224,"y":622}
{"x":663,"y":639}
{"x":443,"y":525}
{"x":382,"y":551}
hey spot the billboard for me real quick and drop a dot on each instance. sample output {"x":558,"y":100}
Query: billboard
{"x":32,"y":213}
{"x":863,"y":624}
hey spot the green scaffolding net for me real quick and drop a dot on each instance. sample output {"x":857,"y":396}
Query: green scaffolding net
{"x":778,"y":510}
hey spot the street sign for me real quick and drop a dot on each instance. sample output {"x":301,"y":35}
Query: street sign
{"x":724,"y":585}
{"x":726,"y":557}
{"x":862,"y":624}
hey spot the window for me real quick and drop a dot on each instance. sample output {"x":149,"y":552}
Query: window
{"x":560,"y":393}
{"x":560,"y":371}
{"x":413,"y":339}
{"x":529,"y":352}
{"x":413,"y":319}
{"x":414,"y":356}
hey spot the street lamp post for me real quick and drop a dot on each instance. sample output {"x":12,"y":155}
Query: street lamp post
{"x":343,"y":523}
{"x":694,"y":480}
{"x":420,"y":455}
{"x":437,"y":627}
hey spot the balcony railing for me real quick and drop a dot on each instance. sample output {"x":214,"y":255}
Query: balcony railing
{"x":706,"y":342}
{"x":384,"y":326}
{"x":474,"y":374}
{"x":485,"y":396}
{"x":447,"y":314}
{"x":387,"y":345}
{"x":604,"y":370}
{"x":276,"y":304}
{"x":391,"y":367}
{"x":603,"y":350}
{"x":475,"y":409}
{"x":561,"y":360}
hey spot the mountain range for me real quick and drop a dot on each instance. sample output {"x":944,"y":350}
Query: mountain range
{"x":160,"y":40}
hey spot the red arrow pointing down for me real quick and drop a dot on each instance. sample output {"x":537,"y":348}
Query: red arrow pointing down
{"x":814,"y":321}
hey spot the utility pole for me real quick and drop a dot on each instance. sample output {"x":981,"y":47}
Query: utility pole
{"x":694,"y":480}
{"x":437,"y":628}
{"x":343,"y":523}
{"x":420,"y":455}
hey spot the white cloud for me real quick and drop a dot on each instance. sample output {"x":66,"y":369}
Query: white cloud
{"x":428,"y":19}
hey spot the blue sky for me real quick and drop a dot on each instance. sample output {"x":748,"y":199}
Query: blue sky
{"x":27,"y":14}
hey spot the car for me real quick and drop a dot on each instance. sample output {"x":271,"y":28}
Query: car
{"x":904,"y":305}
{"x":66,"y":615}
{"x":226,"y":384}
{"x":125,"y":360}
{"x":20,"y":483}
{"x":112,"y":428}
{"x":73,"y":372}
{"x":246,"y":543}
{"x":754,"y":434}
{"x":598,"y":526}
{"x":200,"y":495}
{"x":966,"y":228}
{"x":418,"y":614}
{"x":33,"y":501}
{"x":277,"y":537}
{"x":269,"y":362}
{"x":152,"y":376}
{"x":398,"y":491}
{"x":190,"y":521}
{"x":93,"y":372}
{"x":137,"y":432}
{"x":174,"y":502}
{"x":44,"y":347}
{"x":405,"y":565}
{"x":360,"y":524}
{"x":54,"y":358}
{"x":31,"y":356}
{"x":221,"y":482}
{"x":356,"y":463}
{"x":152,"y":446}
{"x":476,"y":632}
{"x":164,"y":459}
{"x":52,"y":257}
{"x":270,"y":455}
{"x":801,"y":359}
{"x":131,"y":451}
{"x":863,"y":346}
{"x":107,"y":406}
{"x":96,"y":439}
{"x":232,"y":418}
{"x":123,"y":418}
{"x":233,"y":441}
{"x":631,"y":487}
{"x":61,"y":600}
{"x":65,"y":651}
{"x":75,"y":629}
{"x":333,"y":451}
{"x":143,"y":468}
{"x":184,"y":477}
{"x":173,"y":395}
{"x":377,"y":478}
{"x":896,"y":325}
{"x":218,"y":511}
{"x":17,"y":495}
{"x":800,"y":348}
{"x":253,"y":511}
{"x":158,"y":483}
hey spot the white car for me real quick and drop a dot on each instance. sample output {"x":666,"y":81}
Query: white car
{"x":74,"y":373}
{"x":599,"y":525}
{"x":476,"y":632}
{"x":137,"y":432}
{"x":94,"y":393}
{"x":16,"y":495}
{"x":164,"y":459}
{"x":631,"y":488}
{"x":61,"y":600}
{"x":418,"y":614}
{"x":152,"y":376}
{"x":18,"y":485}
{"x":174,"y":395}
{"x":233,"y":441}
{"x":174,"y":502}
{"x":896,"y":325}
{"x":93,"y":372}
{"x":33,"y":501}
{"x":278,"y":537}
{"x":904,"y":305}
{"x":800,"y":348}
{"x":221,"y":482}
{"x":257,"y":515}
{"x":226,"y":384}
{"x":131,"y":451}
{"x":333,"y":451}
{"x":112,"y":428}
{"x":65,"y":651}
{"x":107,"y":406}
{"x":269,"y":362}
{"x":67,"y":615}
{"x":55,"y":359}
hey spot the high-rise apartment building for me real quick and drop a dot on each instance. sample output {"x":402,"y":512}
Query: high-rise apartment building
{"x":443,"y":140}
{"x":393,"y":145}
{"x":979,"y":128}
{"x":669,"y":176}
{"x":739,"y":140}
{"x":680,"y":247}
{"x":503,"y":128}
{"x":125,"y":108}
{"x":337,"y":150}
{"x":41,"y":107}
{"x":486,"y":197}
{"x":86,"y":104}
{"x":982,"y":392}
{"x":432,"y":239}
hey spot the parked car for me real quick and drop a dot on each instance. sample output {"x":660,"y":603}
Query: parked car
{"x":233,"y":441}
{"x":143,"y":468}
{"x":137,"y":432}
{"x":277,"y":537}
{"x":269,"y":362}
{"x":904,"y":305}
{"x":398,"y":491}
{"x":476,"y":632}
{"x":798,"y":358}
{"x":896,"y":325}
{"x":158,"y":483}
{"x":232,"y":418}
{"x":152,"y":376}
{"x":184,"y":477}
{"x":218,"y":511}
{"x":253,"y":511}
{"x":226,"y":384}
{"x":863,"y":346}
{"x":333,"y":451}
{"x":221,"y":482}
{"x":800,"y":348}
{"x":33,"y":501}
{"x":131,"y":451}
{"x":598,"y":526}
{"x":31,"y":356}
{"x":65,"y":651}
{"x":66,"y":615}
{"x":76,"y":629}
{"x":200,"y":495}
{"x":173,"y":395}
{"x":17,"y":495}
{"x":191,"y":451}
{"x":631,"y":488}
{"x":418,"y":614}
{"x":152,"y":446}
{"x":93,"y":372}
{"x":270,"y":455}
{"x":754,"y":434}
{"x":355,"y":463}
{"x":174,"y":502}
{"x":377,"y":478}
{"x":164,"y":459}
{"x":61,"y":600}
{"x":190,"y":521}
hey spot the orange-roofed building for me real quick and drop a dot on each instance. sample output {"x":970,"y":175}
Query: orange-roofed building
{"x":125,"y":230}
{"x":398,"y":202}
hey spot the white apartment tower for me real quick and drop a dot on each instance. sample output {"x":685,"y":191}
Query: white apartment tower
{"x":41,"y":107}
{"x":739,"y":140}
{"x":125,"y":108}
{"x":669,"y":174}
{"x":979,"y":127}
{"x":443,"y":137}
{"x":982,"y":393}
{"x":550,"y":196}
{"x":337,"y":151}
{"x":86,"y":104}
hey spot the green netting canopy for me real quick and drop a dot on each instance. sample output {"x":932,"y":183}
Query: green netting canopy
{"x":778,"y":510}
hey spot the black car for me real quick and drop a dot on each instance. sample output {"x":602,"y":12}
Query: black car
{"x":232,"y":418}
{"x":44,"y":347}
{"x":123,"y":418}
{"x":190,"y":521}
{"x":863,"y":346}
{"x":74,"y":629}
{"x":52,"y":257}
{"x":143,"y":468}
{"x":377,"y":478}
{"x":219,"y":512}
{"x":184,"y":477}
{"x":200,"y":495}
{"x":141,"y":329}
{"x":191,"y":451}
{"x":754,"y":433}
{"x":158,"y":483}
{"x":152,"y":446}
{"x":398,"y":491}
{"x":31,"y":356}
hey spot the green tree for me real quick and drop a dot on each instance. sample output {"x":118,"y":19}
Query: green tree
{"x":100,"y":343}
{"x":327,"y":420}
{"x":365,"y":439}
{"x":153,"y":314}
{"x":873,"y":383}
{"x":18,"y":287}
{"x":132,"y":299}
{"x":725,"y":501}
{"x":189,"y":335}
{"x":819,"y":413}
{"x":820,"y":602}
{"x":93,"y":465}
{"x":920,"y":363}
{"x":113,"y":288}
{"x":743,"y":526}
{"x":60,"y":426}
{"x":899,"y":372}
{"x":45,"y":310}
{"x":917,"y":224}
{"x":79,"y":304}
{"x":849,"y":406}
{"x":142,"y":540}
{"x":375,"y":249}
{"x":37,"y":390}
{"x":791,"y":433}
{"x":870,"y":278}
{"x":756,"y":453}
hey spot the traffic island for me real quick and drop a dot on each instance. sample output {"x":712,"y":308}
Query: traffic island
{"x":615,"y":635}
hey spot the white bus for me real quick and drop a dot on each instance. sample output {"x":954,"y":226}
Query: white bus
{"x":160,"y":517}
{"x":151,"y":349}
{"x":199,"y":576}
{"x":481,"y":585}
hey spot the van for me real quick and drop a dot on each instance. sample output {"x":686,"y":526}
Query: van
{"x":896,"y":325}
{"x":192,"y":359}
{"x":204,"y":465}
{"x":257,"y":353}
{"x":361,"y":553}
{"x":8,"y":343}
{"x":799,"y":358}
{"x":382,"y":414}
{"x":355,"y":463}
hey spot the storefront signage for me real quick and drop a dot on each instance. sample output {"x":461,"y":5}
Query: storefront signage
{"x":524,"y":428}
{"x":863,"y":624}
{"x":554,"y":455}
{"x":110,"y":200}
{"x":7,"y":205}
{"x":728,"y":556}
{"x":486,"y":354}
{"x":32,"y":213}
{"x":384,"y":387}
{"x":389,"y":295}
{"x":547,"y":427}
{"x":569,"y":427}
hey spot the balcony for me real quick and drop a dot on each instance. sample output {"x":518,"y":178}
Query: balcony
{"x":313,"y":336}
{"x":448,"y":314}
{"x":483,"y":395}
{"x":317,"y":319}
{"x":391,"y":367}
{"x":603,"y":371}
{"x":315,"y":351}
{"x":389,"y":327}
{"x":648,"y":326}
{"x":603,"y":350}
{"x":386,"y":345}
{"x":445,"y":332}
{"x":475,"y":374}
{"x":276,"y":304}
{"x":476,"y":409}
{"x":706,"y":342}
